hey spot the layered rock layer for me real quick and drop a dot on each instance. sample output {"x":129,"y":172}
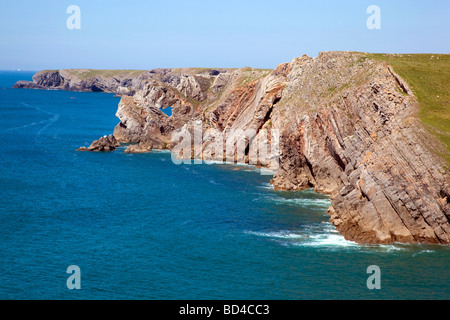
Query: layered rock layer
{"x":119,"y":82}
{"x":347,"y":128}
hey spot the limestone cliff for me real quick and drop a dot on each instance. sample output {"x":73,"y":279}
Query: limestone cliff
{"x":348,"y":128}
{"x":352,"y":133}
{"x":122,"y":82}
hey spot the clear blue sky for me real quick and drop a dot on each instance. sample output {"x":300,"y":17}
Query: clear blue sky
{"x":138,"y":34}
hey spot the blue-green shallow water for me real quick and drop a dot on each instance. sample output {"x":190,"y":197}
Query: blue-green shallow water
{"x":140,"y":227}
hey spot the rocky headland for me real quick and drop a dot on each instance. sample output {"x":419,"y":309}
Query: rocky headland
{"x":348,"y":128}
{"x":121,"y":82}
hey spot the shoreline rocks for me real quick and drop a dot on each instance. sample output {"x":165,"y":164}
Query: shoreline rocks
{"x":142,"y":147}
{"x":103,"y":144}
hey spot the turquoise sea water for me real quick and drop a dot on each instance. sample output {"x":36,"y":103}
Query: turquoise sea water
{"x":141,"y":227}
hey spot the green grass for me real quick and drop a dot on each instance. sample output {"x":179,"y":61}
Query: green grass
{"x":249,"y":75}
{"x":90,"y":73}
{"x":428,"y":75}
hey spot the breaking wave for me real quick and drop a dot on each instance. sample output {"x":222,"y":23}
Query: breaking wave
{"x":276,"y":235}
{"x":266,"y":186}
{"x":309,"y":202}
{"x":324,"y":236}
{"x":319,"y":235}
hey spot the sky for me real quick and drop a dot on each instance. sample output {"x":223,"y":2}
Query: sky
{"x":138,"y":34}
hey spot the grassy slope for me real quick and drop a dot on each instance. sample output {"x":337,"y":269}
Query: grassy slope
{"x":429,"y":77}
{"x":89,"y":73}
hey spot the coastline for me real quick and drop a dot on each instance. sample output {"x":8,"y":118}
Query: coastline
{"x":354,"y":145}
{"x":212,"y":225}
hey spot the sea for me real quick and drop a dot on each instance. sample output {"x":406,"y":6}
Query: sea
{"x":140,"y":227}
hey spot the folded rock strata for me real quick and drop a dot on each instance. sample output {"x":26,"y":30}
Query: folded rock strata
{"x":348,"y":128}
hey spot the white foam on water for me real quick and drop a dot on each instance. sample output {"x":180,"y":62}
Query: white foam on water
{"x":161,"y":151}
{"x":37,"y":108}
{"x":323,"y":203}
{"x":386,"y":247}
{"x":211,"y":162}
{"x":276,"y":234}
{"x":212,"y":181}
{"x":324,"y":236}
{"x":422,"y":252}
{"x":321,"y":235}
{"x":49,"y":123}
{"x":267,"y":186}
{"x":328,"y":240}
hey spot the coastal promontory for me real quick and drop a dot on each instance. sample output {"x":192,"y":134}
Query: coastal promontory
{"x":359,"y":127}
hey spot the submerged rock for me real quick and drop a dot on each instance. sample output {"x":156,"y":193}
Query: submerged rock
{"x":103,"y":144}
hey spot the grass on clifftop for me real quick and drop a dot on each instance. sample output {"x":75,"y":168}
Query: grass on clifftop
{"x":90,"y":73}
{"x":429,"y":77}
{"x":249,"y":75}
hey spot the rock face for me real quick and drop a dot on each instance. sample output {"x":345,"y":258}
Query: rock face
{"x":119,"y":82}
{"x":347,"y":129}
{"x":22,"y":84}
{"x":142,"y":147}
{"x":103,"y":144}
{"x":355,"y":137}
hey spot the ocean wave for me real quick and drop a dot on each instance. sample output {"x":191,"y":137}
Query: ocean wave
{"x":423,"y":252}
{"x":328,"y":240}
{"x":324,"y":236}
{"x":276,"y":235}
{"x":309,"y":202}
{"x":305,"y":238}
{"x":267,"y":186}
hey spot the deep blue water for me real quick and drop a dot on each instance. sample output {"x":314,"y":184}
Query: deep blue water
{"x":167,"y":111}
{"x":141,"y":227}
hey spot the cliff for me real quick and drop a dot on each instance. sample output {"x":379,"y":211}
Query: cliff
{"x":348,"y":124}
{"x":122,"y":82}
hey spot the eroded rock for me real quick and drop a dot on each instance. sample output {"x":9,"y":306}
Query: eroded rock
{"x":142,"y":147}
{"x":103,"y":144}
{"x":347,"y":129}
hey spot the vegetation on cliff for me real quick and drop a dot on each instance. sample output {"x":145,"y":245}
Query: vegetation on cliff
{"x":93,"y":73}
{"x":429,"y":77}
